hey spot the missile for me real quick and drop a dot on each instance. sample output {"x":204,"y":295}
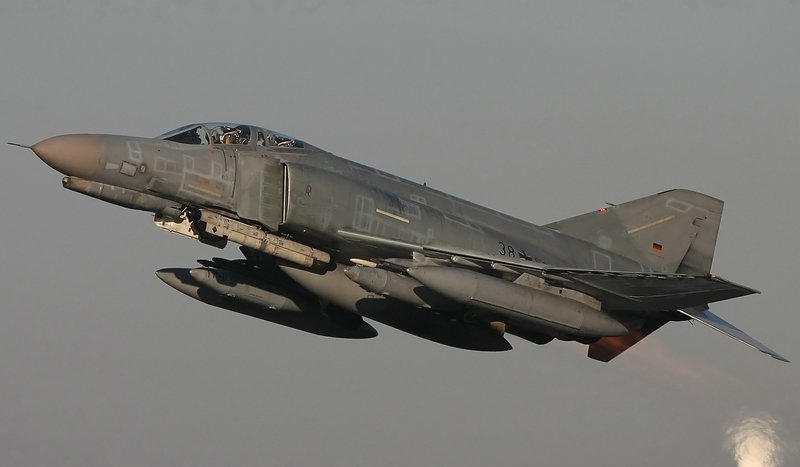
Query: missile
{"x":252,"y":291}
{"x":257,"y":239}
{"x":539,"y":307}
{"x":404,"y":288}
{"x":123,"y":197}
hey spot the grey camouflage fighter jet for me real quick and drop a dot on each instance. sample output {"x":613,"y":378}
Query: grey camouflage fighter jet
{"x":328,"y":242}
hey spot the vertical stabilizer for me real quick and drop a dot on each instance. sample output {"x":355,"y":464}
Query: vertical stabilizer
{"x":673,"y":231}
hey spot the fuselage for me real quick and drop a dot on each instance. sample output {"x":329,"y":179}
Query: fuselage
{"x":303,"y":191}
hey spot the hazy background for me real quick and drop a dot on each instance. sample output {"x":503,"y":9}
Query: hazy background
{"x":541,"y":109}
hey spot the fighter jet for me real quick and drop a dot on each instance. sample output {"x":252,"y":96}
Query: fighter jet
{"x":328,"y":242}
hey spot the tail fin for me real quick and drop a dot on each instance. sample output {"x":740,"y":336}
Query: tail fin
{"x":673,"y":231}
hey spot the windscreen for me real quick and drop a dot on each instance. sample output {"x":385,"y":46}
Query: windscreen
{"x":191,"y":134}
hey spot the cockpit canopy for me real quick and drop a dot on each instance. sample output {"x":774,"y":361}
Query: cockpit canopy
{"x":230,"y":133}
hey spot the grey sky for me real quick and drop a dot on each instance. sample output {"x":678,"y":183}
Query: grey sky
{"x":541,"y":109}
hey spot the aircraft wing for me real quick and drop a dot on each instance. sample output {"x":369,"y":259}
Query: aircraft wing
{"x":649,"y":291}
{"x":617,"y":290}
{"x":705,"y":316}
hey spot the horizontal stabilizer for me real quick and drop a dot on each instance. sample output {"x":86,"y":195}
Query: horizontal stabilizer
{"x":713,"y":321}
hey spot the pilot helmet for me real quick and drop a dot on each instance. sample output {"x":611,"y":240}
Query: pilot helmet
{"x":243,"y":133}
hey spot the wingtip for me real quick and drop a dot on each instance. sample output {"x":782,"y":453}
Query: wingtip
{"x":779,"y":357}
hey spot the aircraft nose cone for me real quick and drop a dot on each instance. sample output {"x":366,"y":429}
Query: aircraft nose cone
{"x":76,"y":155}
